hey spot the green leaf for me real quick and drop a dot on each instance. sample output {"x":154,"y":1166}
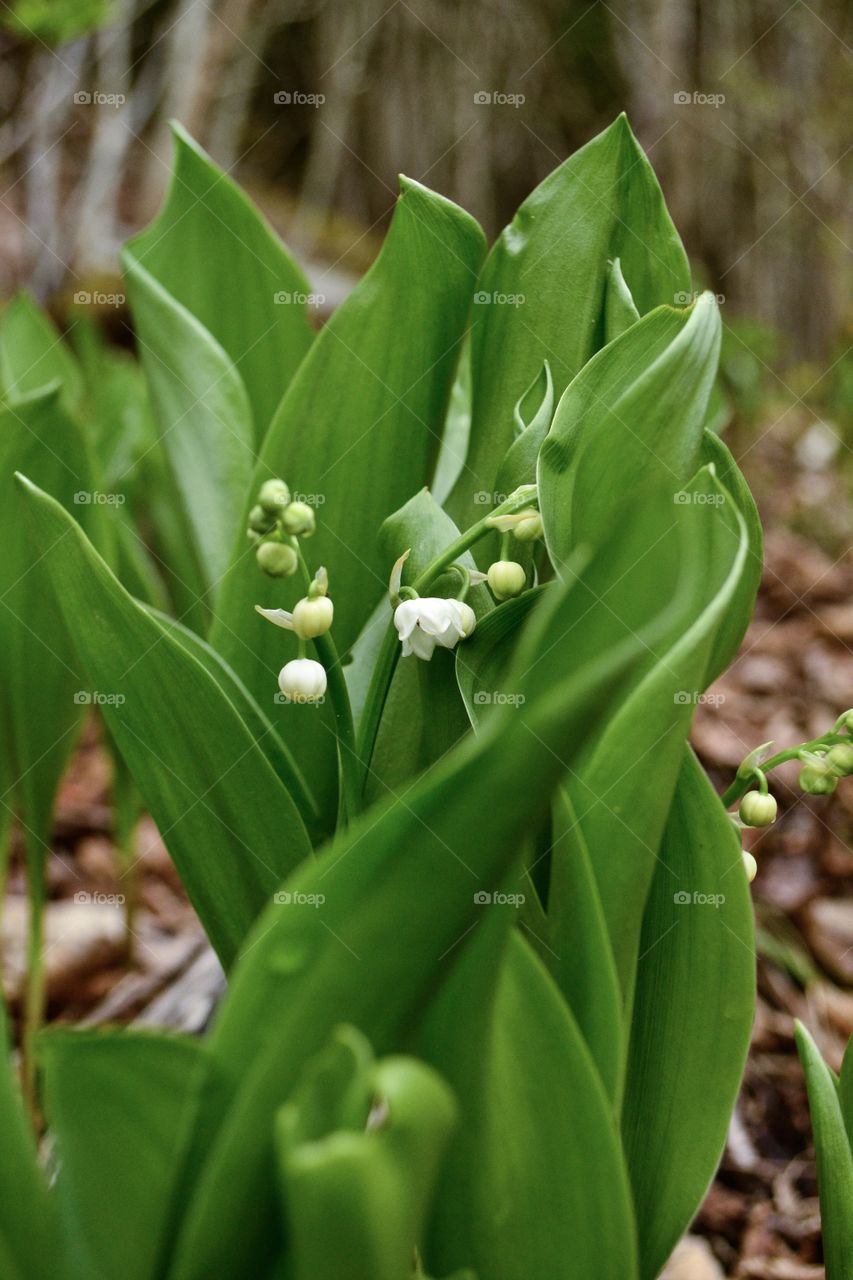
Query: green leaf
{"x":203,"y":415}
{"x":834,"y":1160}
{"x":357,"y":432}
{"x":33,"y":355}
{"x":534,"y":1114}
{"x":359,"y":1146}
{"x":210,"y":248}
{"x":230,"y":824}
{"x":634,"y":415}
{"x":570,"y":938}
{"x":603,"y":202}
{"x":315,"y":961}
{"x":29,"y":1241}
{"x":44,"y":685}
{"x":118,"y":1104}
{"x":692,"y":1017}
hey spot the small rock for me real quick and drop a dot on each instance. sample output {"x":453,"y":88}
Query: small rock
{"x":693,"y":1260}
{"x":829,"y":927}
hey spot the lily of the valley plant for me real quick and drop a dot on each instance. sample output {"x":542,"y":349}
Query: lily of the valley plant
{"x":486,"y":923}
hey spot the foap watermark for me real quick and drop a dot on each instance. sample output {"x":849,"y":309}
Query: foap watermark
{"x":497,"y":698}
{"x":95,"y":698}
{"x":97,"y":98}
{"x":494,"y":298}
{"x":497,"y":98}
{"x":98,"y":298}
{"x":484,"y":899}
{"x":96,"y":498}
{"x":100,"y":899}
{"x":685,"y":697}
{"x":295,"y":898}
{"x":285,"y":298}
{"x":686,"y":498}
{"x":698,"y":99}
{"x":684,"y":298}
{"x":484,"y":498}
{"x":296,"y":98}
{"x":697,"y":899}
{"x":284,"y":699}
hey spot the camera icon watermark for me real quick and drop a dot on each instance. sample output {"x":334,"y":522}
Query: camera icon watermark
{"x":497,"y":98}
{"x":95,"y":498}
{"x":697,"y":899}
{"x":95,"y":698}
{"x":683,"y":498}
{"x":497,"y":698}
{"x":698,"y":99}
{"x":686,"y":697}
{"x":100,"y":899}
{"x":95,"y":98}
{"x":96,"y":298}
{"x":296,"y":98}
{"x":494,"y":298}
{"x":485,"y":899}
{"x":285,"y":298}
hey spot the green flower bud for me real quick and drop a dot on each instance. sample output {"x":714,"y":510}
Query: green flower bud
{"x":840,"y":759}
{"x":298,"y":519}
{"x":274,"y":496}
{"x":818,"y":780}
{"x":506,"y":578}
{"x":276,"y":559}
{"x":757,"y":810}
{"x":312,"y":618}
{"x":530,"y":528}
{"x":750,"y":866}
{"x":260,"y":521}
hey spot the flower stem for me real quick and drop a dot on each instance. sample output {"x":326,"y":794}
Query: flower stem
{"x":741,"y":785}
{"x":350,"y":796}
{"x":386,"y":662}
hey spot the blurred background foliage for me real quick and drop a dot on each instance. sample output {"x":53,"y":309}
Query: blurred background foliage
{"x":743,"y":106}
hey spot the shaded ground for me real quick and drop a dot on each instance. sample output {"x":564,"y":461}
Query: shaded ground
{"x":793,"y":676}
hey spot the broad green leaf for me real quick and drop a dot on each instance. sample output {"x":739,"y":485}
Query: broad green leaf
{"x":230,"y":824}
{"x":537,"y":1142}
{"x":692,"y":1018}
{"x":634,"y":414}
{"x":210,"y":248}
{"x":29,"y":1238}
{"x":44,"y":685}
{"x":357,"y":433}
{"x":834,"y":1160}
{"x":359,"y":1146}
{"x":255,"y":718}
{"x":203,"y":414}
{"x":315,"y":961}
{"x":620,"y":815}
{"x":604,"y":202}
{"x":118,"y":1104}
{"x":570,"y":937}
{"x":33,"y":355}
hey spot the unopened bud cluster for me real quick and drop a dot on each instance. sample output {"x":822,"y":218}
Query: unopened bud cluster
{"x":274,"y":522}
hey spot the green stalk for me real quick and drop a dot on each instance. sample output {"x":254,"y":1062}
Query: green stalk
{"x":34,"y":990}
{"x":386,"y":662}
{"x":327,"y":653}
{"x":740,"y":786}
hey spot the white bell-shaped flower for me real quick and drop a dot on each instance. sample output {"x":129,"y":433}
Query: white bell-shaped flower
{"x":429,"y":621}
{"x":302,"y":680}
